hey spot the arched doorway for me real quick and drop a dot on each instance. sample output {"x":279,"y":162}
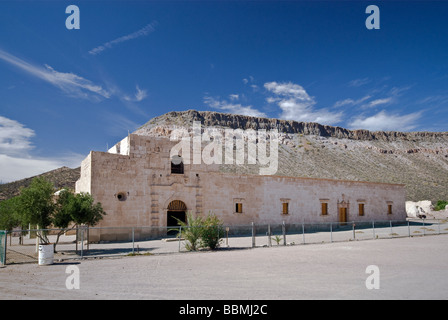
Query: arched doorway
{"x":176,"y":211}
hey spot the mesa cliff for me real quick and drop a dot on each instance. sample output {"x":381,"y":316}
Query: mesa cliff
{"x":417,"y":159}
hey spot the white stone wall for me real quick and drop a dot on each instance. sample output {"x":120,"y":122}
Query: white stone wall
{"x":136,"y":188}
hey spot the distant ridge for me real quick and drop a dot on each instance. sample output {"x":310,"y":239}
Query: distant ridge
{"x":218,"y":119}
{"x":63,"y":177}
{"x":417,"y":159}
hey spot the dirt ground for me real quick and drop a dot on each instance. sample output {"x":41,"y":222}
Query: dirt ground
{"x":409,"y":268}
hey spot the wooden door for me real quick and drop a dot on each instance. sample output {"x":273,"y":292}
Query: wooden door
{"x":343,"y":216}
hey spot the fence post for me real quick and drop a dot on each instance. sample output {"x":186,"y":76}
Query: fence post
{"x":82,"y":242}
{"x":331,"y":232}
{"x":438,"y":226}
{"x":5,"y":249}
{"x":303,"y":233}
{"x":373,"y":228}
{"x":269,"y":236}
{"x":284,"y":233}
{"x":3,"y":239}
{"x":424,"y":226}
{"x":409,"y":229}
{"x":133,"y":243}
{"x":180,"y":235}
{"x":391,"y":230}
{"x":253,"y":235}
{"x":353,"y":227}
{"x":37,"y":239}
{"x":88,"y":238}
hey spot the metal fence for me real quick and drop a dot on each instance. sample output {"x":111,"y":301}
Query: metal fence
{"x":21,"y":246}
{"x":2,"y":247}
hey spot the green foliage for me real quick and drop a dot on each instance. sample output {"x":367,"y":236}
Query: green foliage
{"x":191,"y":231}
{"x":277,"y":239}
{"x":441,"y":204}
{"x":212,"y":232}
{"x":35,"y":205}
{"x":202,"y":233}
{"x":77,"y":208}
{"x":9,"y":214}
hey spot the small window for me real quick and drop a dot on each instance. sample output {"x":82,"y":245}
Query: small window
{"x":389,"y":209}
{"x":324,"y":208}
{"x":177,"y":165}
{"x":285,"y":208}
{"x":238,"y":207}
{"x":361,"y":209}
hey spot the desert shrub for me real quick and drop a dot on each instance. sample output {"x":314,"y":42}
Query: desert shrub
{"x":277,"y":239}
{"x":201,"y":232}
{"x":212,"y":232}
{"x":440,"y":205}
{"x":191,"y":231}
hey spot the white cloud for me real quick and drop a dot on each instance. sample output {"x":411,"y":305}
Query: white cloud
{"x":378,"y":102}
{"x":351,"y":102}
{"x":233,"y":108}
{"x":14,"y":137}
{"x":16,"y":168}
{"x":383,"y":121}
{"x":74,"y":84}
{"x":139,"y":95}
{"x":297,"y":105}
{"x":137,"y":34}
{"x":289,"y":89}
{"x":358,"y":82}
{"x":246,"y":80}
{"x":70,"y":83}
{"x":16,"y":162}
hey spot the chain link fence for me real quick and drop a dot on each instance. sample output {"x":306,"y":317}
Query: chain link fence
{"x":21,"y":246}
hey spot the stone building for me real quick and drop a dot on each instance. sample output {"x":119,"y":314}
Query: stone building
{"x":138,"y":185}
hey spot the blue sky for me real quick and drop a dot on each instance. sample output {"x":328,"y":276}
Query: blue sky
{"x":66,"y":92}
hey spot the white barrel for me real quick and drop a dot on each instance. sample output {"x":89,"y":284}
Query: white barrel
{"x":46,"y":254}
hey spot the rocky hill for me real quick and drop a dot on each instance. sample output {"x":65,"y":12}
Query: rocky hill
{"x":61,"y":178}
{"x":417,"y":159}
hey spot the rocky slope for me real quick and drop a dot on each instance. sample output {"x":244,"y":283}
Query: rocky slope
{"x":417,"y":159}
{"x":61,"y":178}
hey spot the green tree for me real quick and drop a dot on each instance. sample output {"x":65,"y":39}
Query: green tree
{"x":75,"y":210}
{"x":9,"y":214}
{"x":35,"y":206}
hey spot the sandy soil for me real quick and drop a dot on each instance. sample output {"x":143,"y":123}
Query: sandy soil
{"x":410,"y":268}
